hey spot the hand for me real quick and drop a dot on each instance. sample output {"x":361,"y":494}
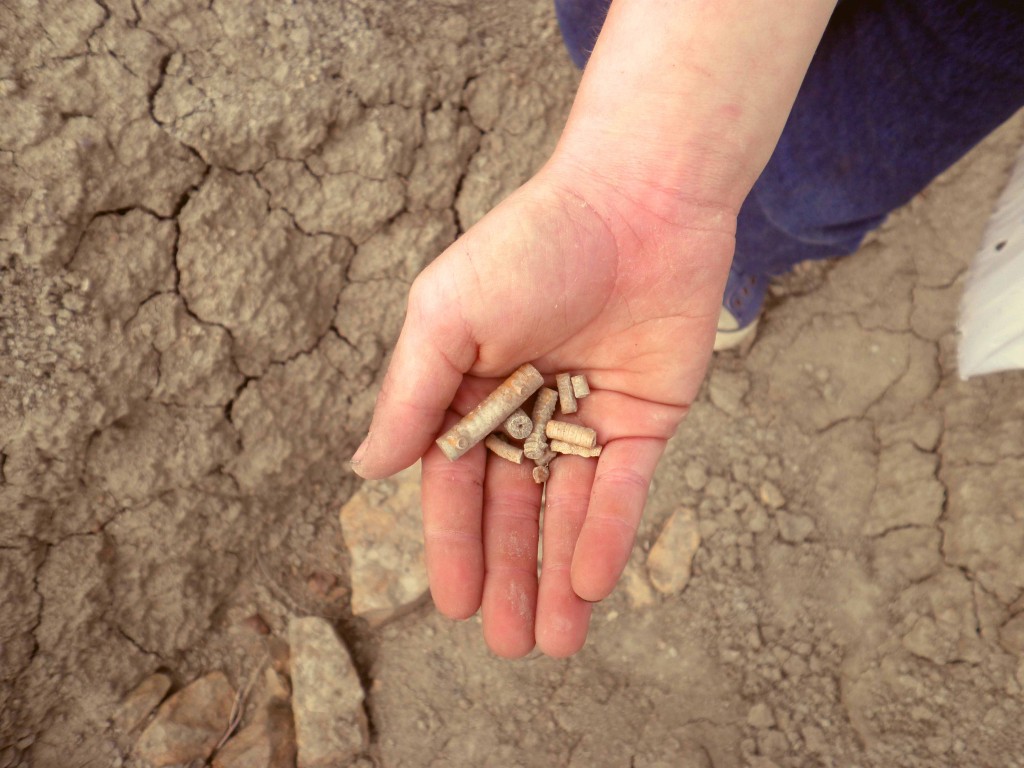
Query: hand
{"x":571,"y":276}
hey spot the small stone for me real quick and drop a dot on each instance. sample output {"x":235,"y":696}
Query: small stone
{"x":727,"y":389}
{"x":758,"y":520}
{"x":670,"y":560}
{"x":330,"y":723}
{"x":771,"y":496}
{"x":268,"y":743}
{"x":189,"y":724}
{"x":636,"y":586}
{"x":382,"y":527}
{"x":140,"y":702}
{"x":695,"y":475}
{"x":794,"y":528}
{"x":760,"y":716}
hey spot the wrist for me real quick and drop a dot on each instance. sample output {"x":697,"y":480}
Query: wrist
{"x":682,"y":102}
{"x":634,"y":200}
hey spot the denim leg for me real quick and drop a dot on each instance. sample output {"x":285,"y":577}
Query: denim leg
{"x":580,"y":22}
{"x":897,"y":91}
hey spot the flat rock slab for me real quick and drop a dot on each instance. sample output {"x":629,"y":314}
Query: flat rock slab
{"x":267,"y":743}
{"x":189,"y":724}
{"x":671,"y":558}
{"x":327,"y":697}
{"x":383,"y":531}
{"x":141,"y":701}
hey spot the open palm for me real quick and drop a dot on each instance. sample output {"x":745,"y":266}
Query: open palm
{"x":588,"y":282}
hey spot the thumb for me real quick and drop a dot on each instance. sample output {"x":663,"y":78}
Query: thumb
{"x":434,"y":350}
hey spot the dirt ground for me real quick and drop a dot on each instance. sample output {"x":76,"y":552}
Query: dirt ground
{"x":209,"y":215}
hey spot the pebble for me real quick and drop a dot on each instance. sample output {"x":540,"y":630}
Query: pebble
{"x":189,"y":724}
{"x":382,"y":528}
{"x":268,"y":743}
{"x":141,"y":701}
{"x":670,"y":560}
{"x":636,"y":587}
{"x":695,"y":476}
{"x":330,"y":723}
{"x":757,"y":521}
{"x":727,"y":390}
{"x":760,"y":716}
{"x":770,"y":495}
{"x":794,"y":528}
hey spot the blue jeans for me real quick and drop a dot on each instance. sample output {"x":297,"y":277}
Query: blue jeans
{"x":897,"y":91}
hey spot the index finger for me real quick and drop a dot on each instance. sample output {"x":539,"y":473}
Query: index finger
{"x":433,"y":352}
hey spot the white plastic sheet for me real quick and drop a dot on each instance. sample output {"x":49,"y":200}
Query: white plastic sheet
{"x":992,"y":313}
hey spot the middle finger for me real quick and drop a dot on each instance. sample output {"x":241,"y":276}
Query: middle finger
{"x":511,"y":514}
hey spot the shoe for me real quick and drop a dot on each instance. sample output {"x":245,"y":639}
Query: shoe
{"x":741,"y":307}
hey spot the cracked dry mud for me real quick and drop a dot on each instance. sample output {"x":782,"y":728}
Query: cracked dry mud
{"x":209,"y":216}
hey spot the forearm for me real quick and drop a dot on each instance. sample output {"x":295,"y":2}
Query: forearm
{"x":682,"y":101}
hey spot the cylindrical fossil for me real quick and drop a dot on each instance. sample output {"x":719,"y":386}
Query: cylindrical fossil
{"x":543,"y":410}
{"x":491,"y":412}
{"x":576,"y":434}
{"x":508,"y":452}
{"x":518,"y":425}
{"x":558,"y":446}
{"x":541,"y":474}
{"x":545,"y":458}
{"x":566,"y":399}
{"x":580,"y":387}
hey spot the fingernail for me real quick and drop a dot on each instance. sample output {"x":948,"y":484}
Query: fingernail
{"x":360,"y":451}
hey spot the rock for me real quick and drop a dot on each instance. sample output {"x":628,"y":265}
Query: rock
{"x":727,"y":389}
{"x":141,"y":701}
{"x":760,"y":716}
{"x":757,"y":520}
{"x":330,"y":724}
{"x":268,"y":743}
{"x":382,"y":528}
{"x":695,"y":475}
{"x":794,"y":528}
{"x":770,"y":495}
{"x":636,"y":586}
{"x":189,"y":724}
{"x":671,"y":558}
